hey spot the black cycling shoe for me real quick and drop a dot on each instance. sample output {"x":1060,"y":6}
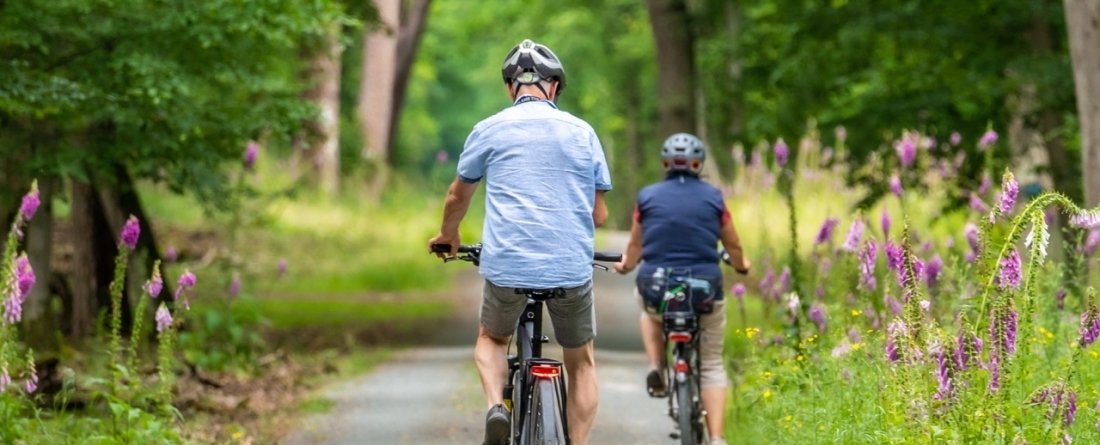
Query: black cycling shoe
{"x":497,"y":426}
{"x":655,"y":385}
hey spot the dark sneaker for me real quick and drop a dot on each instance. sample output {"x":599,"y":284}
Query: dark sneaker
{"x":497,"y":426}
{"x":655,"y":384}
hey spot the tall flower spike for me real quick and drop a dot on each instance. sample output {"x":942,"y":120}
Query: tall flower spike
{"x":30,"y":203}
{"x":1039,"y":226}
{"x":932,"y":270}
{"x":282,"y":267}
{"x":130,"y":232}
{"x":1092,"y":242}
{"x":154,"y":285}
{"x":895,"y":186}
{"x":907,"y":149}
{"x":1012,"y":319}
{"x":1086,"y":220}
{"x":817,"y":316}
{"x":971,"y":231}
{"x":235,"y":286}
{"x":944,"y":379}
{"x":1009,"y":191}
{"x":782,"y":153}
{"x":986,"y":183}
{"x":250,"y":153}
{"x":163,"y":318}
{"x":989,"y":138}
{"x":32,"y":380}
{"x":855,"y":235}
{"x":895,"y":331}
{"x":867,"y":259}
{"x":825,"y":234}
{"x":1009,"y":278}
{"x":885,"y":224}
{"x":186,"y":281}
{"x":977,"y":204}
{"x":738,"y":291}
{"x":170,"y":254}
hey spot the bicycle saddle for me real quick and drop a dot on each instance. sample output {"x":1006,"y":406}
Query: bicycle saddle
{"x":542,"y":294}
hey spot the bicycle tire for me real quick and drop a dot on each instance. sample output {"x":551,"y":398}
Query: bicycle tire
{"x":686,"y":411}
{"x":545,"y":420}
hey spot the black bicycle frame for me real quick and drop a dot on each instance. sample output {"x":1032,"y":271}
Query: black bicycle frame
{"x":529,"y":341}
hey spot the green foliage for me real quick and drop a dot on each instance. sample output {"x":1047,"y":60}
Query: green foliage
{"x":169,"y":90}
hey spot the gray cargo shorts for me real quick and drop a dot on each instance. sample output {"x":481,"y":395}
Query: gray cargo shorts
{"x":573,"y":315}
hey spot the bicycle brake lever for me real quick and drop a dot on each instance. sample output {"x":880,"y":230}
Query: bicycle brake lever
{"x":601,"y":266}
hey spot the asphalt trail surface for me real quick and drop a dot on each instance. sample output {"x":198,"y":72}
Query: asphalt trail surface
{"x":431,"y":395}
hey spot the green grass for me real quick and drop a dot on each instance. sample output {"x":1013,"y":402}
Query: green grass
{"x":286,"y":314}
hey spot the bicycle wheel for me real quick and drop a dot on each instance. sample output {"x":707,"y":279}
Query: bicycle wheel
{"x":545,"y":421}
{"x":688,"y":433}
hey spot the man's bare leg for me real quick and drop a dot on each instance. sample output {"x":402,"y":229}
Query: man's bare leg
{"x":491,"y":355}
{"x":580,"y":365}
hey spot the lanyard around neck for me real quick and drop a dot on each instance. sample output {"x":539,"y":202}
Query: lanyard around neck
{"x":529,"y":98}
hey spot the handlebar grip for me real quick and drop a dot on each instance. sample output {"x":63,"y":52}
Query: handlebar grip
{"x":607,"y":257}
{"x":441,"y":248}
{"x":462,"y":248}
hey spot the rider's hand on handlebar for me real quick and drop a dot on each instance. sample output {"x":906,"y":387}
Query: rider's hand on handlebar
{"x":621,"y":268}
{"x":747,"y":267}
{"x":452,"y":239}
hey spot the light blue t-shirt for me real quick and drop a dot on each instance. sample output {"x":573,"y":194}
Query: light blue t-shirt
{"x":542,"y":168}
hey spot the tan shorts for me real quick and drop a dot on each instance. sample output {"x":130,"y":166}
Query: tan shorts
{"x":712,"y":331}
{"x":573,"y":315}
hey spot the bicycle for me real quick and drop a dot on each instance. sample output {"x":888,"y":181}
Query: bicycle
{"x":680,"y":325}
{"x":535,"y":382}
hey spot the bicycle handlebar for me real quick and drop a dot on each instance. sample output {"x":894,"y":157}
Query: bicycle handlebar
{"x":475,"y":250}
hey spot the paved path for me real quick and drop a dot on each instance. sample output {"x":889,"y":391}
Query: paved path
{"x":431,"y":395}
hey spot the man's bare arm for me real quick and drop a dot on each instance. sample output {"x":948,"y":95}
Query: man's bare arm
{"x":599,"y":211}
{"x":457,"y":203}
{"x":732,"y":243}
{"x":633,"y":252}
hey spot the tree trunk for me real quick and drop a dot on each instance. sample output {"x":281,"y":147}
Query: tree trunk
{"x":1083,"y":24}
{"x":376,"y":84}
{"x":413,"y":22}
{"x":323,"y":149}
{"x":38,"y":323}
{"x":675,"y":66}
{"x":84,"y":282}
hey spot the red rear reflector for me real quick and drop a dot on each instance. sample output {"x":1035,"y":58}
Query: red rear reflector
{"x":679,"y":337}
{"x":681,"y":366}
{"x":545,"y":371}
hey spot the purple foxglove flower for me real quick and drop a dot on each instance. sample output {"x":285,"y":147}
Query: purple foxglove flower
{"x":925,"y":305}
{"x":130,"y":232}
{"x":895,"y":185}
{"x":767,"y":283}
{"x":989,"y":138}
{"x":1011,"y":323}
{"x":186,"y":281}
{"x":782,"y":153}
{"x":956,"y":138}
{"x":1090,"y":328}
{"x":738,"y":291}
{"x":1092,"y":242}
{"x":971,"y":231}
{"x":903,"y":274}
{"x":885,"y":224}
{"x":932,"y":270}
{"x":24,"y":275}
{"x":994,"y":373}
{"x":867,"y":259}
{"x":817,"y":315}
{"x":1071,"y":406}
{"x":777,"y":339}
{"x":785,"y":280}
{"x":895,"y":330}
{"x":1060,"y":298}
{"x":32,"y":381}
{"x":154,"y":285}
{"x":986,"y":183}
{"x":977,"y":204}
{"x":943,"y":373}
{"x":907,"y":150}
{"x":927,"y":246}
{"x":250,"y":153}
{"x":843,"y":349}
{"x":793,"y":304}
{"x":170,"y":254}
{"x":853,"y":335}
{"x":855,"y":235}
{"x":1010,"y":190}
{"x":163,"y":318}
{"x":30,"y":203}
{"x":235,"y":286}
{"x":895,"y":255}
{"x":893,"y":304}
{"x":1009,"y":277}
{"x":1086,"y":220}
{"x":825,"y":234}
{"x":841,"y":133}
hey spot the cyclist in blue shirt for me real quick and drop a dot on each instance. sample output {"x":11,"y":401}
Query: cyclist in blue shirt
{"x":677,"y":226}
{"x":546,"y":175}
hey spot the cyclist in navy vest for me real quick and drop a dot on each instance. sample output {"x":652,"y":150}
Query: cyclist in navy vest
{"x":677,"y":226}
{"x":546,"y":175}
